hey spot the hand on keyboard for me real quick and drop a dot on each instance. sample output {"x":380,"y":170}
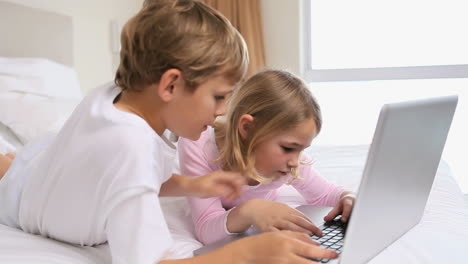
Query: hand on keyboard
{"x":344,"y":207}
{"x":333,"y":236}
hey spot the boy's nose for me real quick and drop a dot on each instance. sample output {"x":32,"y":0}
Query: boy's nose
{"x":220,"y":110}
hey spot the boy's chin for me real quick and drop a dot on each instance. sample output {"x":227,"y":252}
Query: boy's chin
{"x":192,"y":136}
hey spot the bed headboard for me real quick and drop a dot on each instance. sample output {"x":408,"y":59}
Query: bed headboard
{"x":31,"y":32}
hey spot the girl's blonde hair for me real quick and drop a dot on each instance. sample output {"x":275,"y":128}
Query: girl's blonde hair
{"x":182,"y":34}
{"x":278,"y":101}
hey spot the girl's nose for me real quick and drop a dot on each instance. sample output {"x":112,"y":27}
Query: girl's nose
{"x":293,"y":163}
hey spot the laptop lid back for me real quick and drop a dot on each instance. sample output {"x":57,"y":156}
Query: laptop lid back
{"x":401,"y":164}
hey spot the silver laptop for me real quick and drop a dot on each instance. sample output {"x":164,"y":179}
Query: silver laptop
{"x":400,"y":168}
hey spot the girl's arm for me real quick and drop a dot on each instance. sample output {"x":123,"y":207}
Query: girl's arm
{"x":139,"y":222}
{"x":315,"y":189}
{"x":268,"y":216}
{"x":344,"y":207}
{"x":209,"y":219}
{"x":208,"y":215}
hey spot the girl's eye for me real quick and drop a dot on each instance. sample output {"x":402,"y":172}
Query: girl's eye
{"x":286,"y":149}
{"x":219,"y":98}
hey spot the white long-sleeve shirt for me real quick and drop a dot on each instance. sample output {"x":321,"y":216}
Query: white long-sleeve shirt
{"x":97,"y":181}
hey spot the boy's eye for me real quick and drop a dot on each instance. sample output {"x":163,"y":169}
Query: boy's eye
{"x":286,"y":149}
{"x":219,"y":97}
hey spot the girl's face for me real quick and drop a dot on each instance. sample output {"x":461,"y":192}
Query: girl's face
{"x":278,"y":154}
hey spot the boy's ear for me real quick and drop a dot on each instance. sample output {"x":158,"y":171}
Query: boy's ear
{"x":171,"y":82}
{"x":246,"y":123}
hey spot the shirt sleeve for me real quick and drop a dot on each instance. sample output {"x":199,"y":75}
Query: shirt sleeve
{"x":208,"y":215}
{"x":315,"y":189}
{"x":137,"y":231}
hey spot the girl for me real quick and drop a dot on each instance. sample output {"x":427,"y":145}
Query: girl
{"x":271,"y":119}
{"x":98,"y":180}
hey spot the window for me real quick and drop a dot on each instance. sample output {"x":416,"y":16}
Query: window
{"x":373,"y":40}
{"x":361,"y":54}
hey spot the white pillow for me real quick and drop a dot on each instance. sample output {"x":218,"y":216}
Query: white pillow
{"x":30,"y":116}
{"x":38,"y":76}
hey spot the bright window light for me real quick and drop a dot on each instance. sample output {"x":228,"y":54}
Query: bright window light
{"x":363,"y":53}
{"x":397,"y":33}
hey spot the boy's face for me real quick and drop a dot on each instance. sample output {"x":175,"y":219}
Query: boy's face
{"x":194,"y":112}
{"x":277,"y":155}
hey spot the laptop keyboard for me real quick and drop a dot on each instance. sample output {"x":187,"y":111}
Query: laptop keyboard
{"x":332,"y":238}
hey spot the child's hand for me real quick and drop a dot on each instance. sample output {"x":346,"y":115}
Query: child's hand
{"x":271,"y":247}
{"x":218,"y":183}
{"x":273,"y":216}
{"x":344,"y":207}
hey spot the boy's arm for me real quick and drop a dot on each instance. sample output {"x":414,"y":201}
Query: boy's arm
{"x":177,"y":185}
{"x":266,"y":248}
{"x":137,"y":220}
{"x":218,"y":183}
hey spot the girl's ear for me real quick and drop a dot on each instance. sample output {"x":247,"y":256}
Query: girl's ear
{"x":246,"y":123}
{"x":171,"y":81}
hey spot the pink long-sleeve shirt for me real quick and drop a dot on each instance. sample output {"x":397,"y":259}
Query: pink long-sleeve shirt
{"x":210,"y":215}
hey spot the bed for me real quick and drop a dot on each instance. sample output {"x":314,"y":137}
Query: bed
{"x":32,"y":104}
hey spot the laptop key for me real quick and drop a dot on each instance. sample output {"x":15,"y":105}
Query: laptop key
{"x":335,"y":247}
{"x":333,"y":235}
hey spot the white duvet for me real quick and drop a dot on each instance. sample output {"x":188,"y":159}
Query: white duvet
{"x":441,"y":237}
{"x":32,"y":104}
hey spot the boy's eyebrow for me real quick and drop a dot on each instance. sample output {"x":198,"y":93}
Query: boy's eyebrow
{"x":226,"y":92}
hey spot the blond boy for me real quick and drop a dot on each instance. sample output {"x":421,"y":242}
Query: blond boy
{"x":98,"y":180}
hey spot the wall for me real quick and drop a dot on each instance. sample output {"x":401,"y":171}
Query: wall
{"x":93,"y":57}
{"x":95,"y":62}
{"x":282,"y":32}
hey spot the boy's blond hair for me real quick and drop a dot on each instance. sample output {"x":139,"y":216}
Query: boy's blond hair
{"x":182,"y":34}
{"x":278,"y":101}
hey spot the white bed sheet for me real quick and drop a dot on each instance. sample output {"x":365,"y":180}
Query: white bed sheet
{"x":441,"y":237}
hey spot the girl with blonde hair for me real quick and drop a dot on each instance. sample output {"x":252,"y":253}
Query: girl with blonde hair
{"x":270,"y":120}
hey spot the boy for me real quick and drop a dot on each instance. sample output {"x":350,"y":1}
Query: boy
{"x":98,"y":180}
